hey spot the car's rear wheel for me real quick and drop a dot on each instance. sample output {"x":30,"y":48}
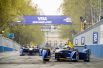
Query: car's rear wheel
{"x":22,"y":55}
{"x":46,"y":59}
{"x":58,"y":59}
{"x":87,"y":59}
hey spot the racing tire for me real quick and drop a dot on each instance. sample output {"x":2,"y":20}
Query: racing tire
{"x":22,"y":54}
{"x":87,"y":60}
{"x":46,"y":60}
{"x":58,"y":59}
{"x":77,"y":56}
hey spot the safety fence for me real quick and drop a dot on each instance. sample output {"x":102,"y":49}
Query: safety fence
{"x":96,"y":50}
{"x":7,"y":44}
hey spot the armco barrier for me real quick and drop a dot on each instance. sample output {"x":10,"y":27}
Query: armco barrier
{"x":96,"y":50}
{"x":7,"y":44}
{"x":1,"y":48}
{"x":80,"y":48}
{"x":4,"y":49}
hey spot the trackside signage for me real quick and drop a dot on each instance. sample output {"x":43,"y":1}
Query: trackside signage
{"x":95,"y":37}
{"x":49,"y":19}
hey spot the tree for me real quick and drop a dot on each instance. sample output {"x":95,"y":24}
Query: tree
{"x":67,"y":32}
{"x":26,"y":34}
{"x":88,"y":9}
{"x":11,"y":10}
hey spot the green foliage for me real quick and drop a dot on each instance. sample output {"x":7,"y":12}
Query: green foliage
{"x":26,"y":34}
{"x":89,"y":9}
{"x":12,"y":11}
{"x":74,"y":9}
{"x":67,"y":32}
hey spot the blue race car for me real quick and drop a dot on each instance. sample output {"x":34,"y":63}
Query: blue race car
{"x":74,"y":55}
{"x":28,"y":51}
{"x":85,"y":55}
{"x":46,"y":55}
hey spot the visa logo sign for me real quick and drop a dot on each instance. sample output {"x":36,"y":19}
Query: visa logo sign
{"x":42,"y":18}
{"x":95,"y":37}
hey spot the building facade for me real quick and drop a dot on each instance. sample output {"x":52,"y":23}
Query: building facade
{"x":93,"y":38}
